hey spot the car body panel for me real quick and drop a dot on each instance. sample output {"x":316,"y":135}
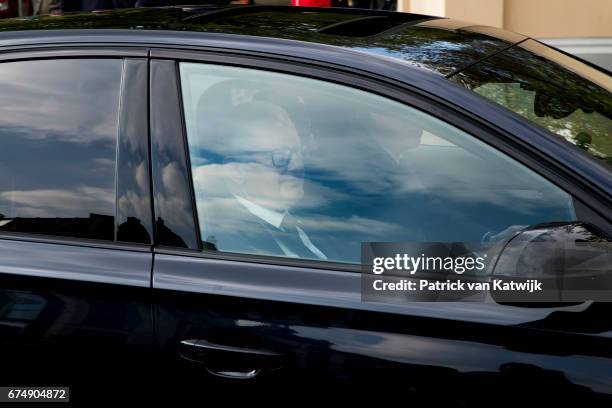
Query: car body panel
{"x":134,"y":218}
{"x":66,"y":261}
{"x":188,"y":272}
{"x":171,"y":177}
{"x":66,"y":308}
{"x":341,"y":343}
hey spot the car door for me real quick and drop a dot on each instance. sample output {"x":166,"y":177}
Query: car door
{"x":285,"y":173}
{"x":75,"y":223}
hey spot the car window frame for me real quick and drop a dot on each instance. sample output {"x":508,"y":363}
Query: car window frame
{"x":67,"y":52}
{"x":399,"y":92}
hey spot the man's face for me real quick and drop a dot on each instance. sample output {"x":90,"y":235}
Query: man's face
{"x":268,"y":167}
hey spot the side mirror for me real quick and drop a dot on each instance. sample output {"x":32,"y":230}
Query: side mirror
{"x":571,"y":261}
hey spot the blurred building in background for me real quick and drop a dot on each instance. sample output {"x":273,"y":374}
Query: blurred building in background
{"x":580,"y":27}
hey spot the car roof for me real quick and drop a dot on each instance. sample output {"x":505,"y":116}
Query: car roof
{"x":443,"y":46}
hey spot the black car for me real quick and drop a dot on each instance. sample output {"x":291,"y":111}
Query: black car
{"x":184,"y":193}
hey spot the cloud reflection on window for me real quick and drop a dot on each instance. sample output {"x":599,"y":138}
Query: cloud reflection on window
{"x":362,"y":168}
{"x":58,"y":131}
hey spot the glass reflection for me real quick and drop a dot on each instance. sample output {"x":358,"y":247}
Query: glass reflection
{"x":564,"y":95}
{"x":174,"y":212}
{"x":58,"y":129}
{"x":134,"y":219}
{"x":295,"y":167}
{"x":441,"y":45}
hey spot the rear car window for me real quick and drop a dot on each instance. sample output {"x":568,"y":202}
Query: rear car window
{"x":58,"y":132}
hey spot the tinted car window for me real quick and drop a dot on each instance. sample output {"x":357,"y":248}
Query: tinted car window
{"x":564,"y":95}
{"x":58,"y":131}
{"x":296,"y":167}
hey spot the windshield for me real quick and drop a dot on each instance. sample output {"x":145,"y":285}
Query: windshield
{"x":560,"y":93}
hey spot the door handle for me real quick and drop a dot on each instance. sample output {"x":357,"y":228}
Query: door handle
{"x":230,"y":361}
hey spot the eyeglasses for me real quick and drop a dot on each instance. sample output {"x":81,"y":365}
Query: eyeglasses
{"x":280,"y":159}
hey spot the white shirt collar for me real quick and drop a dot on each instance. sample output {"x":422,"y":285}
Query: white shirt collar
{"x":273,"y":218}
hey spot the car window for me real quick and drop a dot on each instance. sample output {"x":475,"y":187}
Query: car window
{"x":559,"y":93}
{"x":58,"y":132}
{"x":296,"y":167}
